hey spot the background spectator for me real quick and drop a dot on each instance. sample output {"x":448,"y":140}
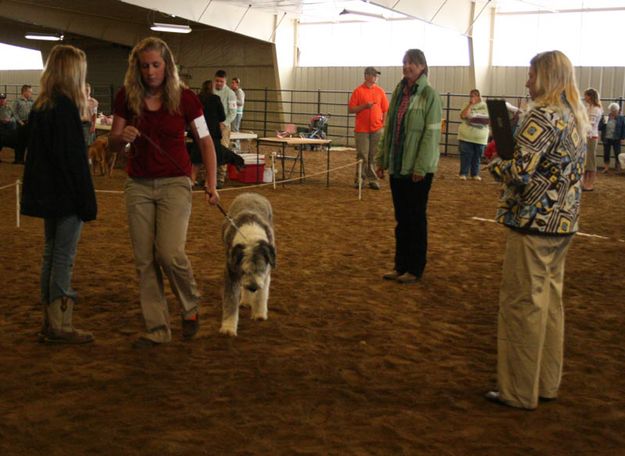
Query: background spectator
{"x":409,"y":151}
{"x":612,"y":133}
{"x":472,"y":135}
{"x":594,"y":112}
{"x":22,"y":107}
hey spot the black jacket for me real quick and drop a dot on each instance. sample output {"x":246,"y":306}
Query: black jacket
{"x":214,"y":114}
{"x":57,"y":179}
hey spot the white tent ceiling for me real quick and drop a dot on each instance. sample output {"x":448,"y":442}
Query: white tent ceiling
{"x":126,"y":21}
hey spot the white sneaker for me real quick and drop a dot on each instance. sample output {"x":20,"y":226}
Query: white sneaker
{"x":476,"y":178}
{"x":462,"y":177}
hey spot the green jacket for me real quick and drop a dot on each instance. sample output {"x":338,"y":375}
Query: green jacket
{"x":421,"y":132}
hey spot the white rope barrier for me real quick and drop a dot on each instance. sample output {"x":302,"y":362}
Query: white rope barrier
{"x":247,"y":187}
{"x":273,"y":182}
{"x":579,"y":233}
{"x":8,"y":186}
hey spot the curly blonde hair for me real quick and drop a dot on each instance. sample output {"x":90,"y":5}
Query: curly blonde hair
{"x":64,"y":74}
{"x":556,"y":86}
{"x":136,"y":90}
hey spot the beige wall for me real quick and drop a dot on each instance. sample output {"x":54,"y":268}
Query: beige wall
{"x":510,"y":81}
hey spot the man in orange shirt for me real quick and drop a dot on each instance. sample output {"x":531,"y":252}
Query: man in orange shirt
{"x":369,"y":103}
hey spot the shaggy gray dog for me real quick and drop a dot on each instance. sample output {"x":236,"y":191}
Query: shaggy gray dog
{"x":250,"y":256}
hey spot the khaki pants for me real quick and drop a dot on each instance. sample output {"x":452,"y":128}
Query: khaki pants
{"x":225,"y":141}
{"x":591,"y":155}
{"x":530,"y":328}
{"x":366,"y":147}
{"x":158,"y":218}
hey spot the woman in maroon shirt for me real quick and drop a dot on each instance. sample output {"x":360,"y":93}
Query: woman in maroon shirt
{"x":151,"y":113}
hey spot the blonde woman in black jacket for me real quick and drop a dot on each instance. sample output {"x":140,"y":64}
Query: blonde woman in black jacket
{"x":58,"y":186}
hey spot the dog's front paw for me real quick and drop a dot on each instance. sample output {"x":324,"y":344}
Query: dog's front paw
{"x":259,"y":315}
{"x":228,"y":330}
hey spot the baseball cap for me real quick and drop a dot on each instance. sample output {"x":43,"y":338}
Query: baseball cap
{"x":3,"y":96}
{"x":371,"y":70}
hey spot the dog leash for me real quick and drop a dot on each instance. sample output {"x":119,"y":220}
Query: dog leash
{"x":171,"y":159}
{"x":234,"y":225}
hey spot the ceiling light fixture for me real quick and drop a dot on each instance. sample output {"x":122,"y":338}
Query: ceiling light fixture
{"x":171,"y":28}
{"x":362,"y":13}
{"x":44,"y":36}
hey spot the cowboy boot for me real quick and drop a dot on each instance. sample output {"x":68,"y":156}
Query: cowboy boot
{"x":45,"y":326}
{"x":60,"y":329}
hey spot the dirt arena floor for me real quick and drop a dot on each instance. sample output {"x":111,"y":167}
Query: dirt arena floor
{"x":347,"y":364}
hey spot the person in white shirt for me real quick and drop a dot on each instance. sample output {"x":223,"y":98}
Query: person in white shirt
{"x":594,"y":111}
{"x":235,"y":85}
{"x":229,"y":101}
{"x":89,"y":117}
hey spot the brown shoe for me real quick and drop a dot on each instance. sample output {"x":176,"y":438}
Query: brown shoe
{"x":75,"y":337}
{"x":393,"y":275}
{"x":153,"y":337}
{"x":407,"y":278}
{"x":57,"y":327}
{"x":190,"y":326}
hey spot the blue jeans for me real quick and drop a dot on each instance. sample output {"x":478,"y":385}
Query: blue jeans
{"x":236,"y":123}
{"x":61,"y":239}
{"x":470,"y":156}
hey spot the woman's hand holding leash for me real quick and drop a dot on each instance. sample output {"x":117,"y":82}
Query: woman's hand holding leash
{"x":129,"y":134}
{"x":212,"y":197}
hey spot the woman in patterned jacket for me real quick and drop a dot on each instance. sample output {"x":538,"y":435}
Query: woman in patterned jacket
{"x":540,"y":204}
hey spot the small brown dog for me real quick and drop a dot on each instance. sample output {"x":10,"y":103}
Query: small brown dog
{"x":98,"y":156}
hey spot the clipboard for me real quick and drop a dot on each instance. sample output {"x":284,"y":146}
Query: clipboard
{"x":501,"y":128}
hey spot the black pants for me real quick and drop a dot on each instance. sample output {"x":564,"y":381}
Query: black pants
{"x":410,"y":200}
{"x":8,"y":136}
{"x":614,"y":144}
{"x":21,"y":143}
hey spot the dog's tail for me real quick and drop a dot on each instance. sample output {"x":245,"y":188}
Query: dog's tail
{"x":231,"y":158}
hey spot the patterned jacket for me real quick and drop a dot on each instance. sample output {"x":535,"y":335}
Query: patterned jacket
{"x":542,"y":188}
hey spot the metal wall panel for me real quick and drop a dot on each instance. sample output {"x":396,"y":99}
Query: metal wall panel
{"x":19,"y":77}
{"x":609,"y":81}
{"x":444,"y":79}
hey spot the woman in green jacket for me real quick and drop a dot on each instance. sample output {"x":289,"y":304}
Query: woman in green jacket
{"x":409,"y":152}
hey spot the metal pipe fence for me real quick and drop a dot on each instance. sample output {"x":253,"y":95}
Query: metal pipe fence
{"x":269,"y":110}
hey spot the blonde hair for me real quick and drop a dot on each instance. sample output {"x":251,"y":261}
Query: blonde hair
{"x":64,"y":74}
{"x":593,"y":95}
{"x":136,"y":89}
{"x":556,"y":86}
